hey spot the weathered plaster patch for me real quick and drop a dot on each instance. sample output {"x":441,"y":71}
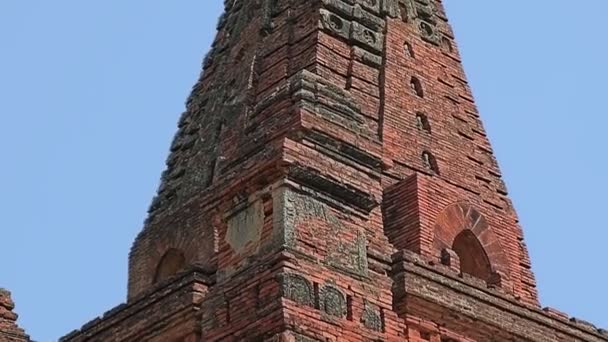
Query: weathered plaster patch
{"x":245,"y":228}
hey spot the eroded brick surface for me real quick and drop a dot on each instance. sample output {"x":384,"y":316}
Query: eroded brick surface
{"x":9,"y":330}
{"x":331,"y":180}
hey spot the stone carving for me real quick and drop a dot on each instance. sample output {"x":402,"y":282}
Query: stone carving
{"x":335,"y":24}
{"x":372,"y":317}
{"x":298,"y":289}
{"x":364,"y":29}
{"x":333,"y":302}
{"x":292,"y":209}
{"x":428,"y":32}
{"x":427,"y":22}
{"x":424,"y":14}
{"x":350,"y":257}
{"x":367,"y":38}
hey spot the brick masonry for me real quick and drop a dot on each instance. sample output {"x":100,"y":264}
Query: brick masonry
{"x":9,"y":330}
{"x":331,"y":180}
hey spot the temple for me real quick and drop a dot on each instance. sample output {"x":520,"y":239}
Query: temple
{"x":330,"y":180}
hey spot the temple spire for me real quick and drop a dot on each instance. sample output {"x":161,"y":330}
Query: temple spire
{"x":331,"y":180}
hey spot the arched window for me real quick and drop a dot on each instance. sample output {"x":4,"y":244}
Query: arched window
{"x":409,"y":50}
{"x":429,"y":162}
{"x":446,"y":45}
{"x":422,"y":122}
{"x":170,"y":264}
{"x":416,"y":86}
{"x":473,"y":258}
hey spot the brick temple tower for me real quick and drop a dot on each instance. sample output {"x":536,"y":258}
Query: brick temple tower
{"x":331,"y":180}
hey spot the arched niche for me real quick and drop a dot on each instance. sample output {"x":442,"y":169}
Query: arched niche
{"x":172,"y":262}
{"x":416,"y":86}
{"x":473,"y":258}
{"x":461,"y":228}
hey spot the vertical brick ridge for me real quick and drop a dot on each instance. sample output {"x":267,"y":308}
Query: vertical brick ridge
{"x":401,"y":213}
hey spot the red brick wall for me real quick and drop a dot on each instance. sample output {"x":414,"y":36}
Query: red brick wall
{"x":455,"y":138}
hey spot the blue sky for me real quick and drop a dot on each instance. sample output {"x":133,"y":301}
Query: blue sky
{"x":90,"y":93}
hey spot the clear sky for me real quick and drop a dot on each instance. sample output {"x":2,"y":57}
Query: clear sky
{"x":90,"y":93}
